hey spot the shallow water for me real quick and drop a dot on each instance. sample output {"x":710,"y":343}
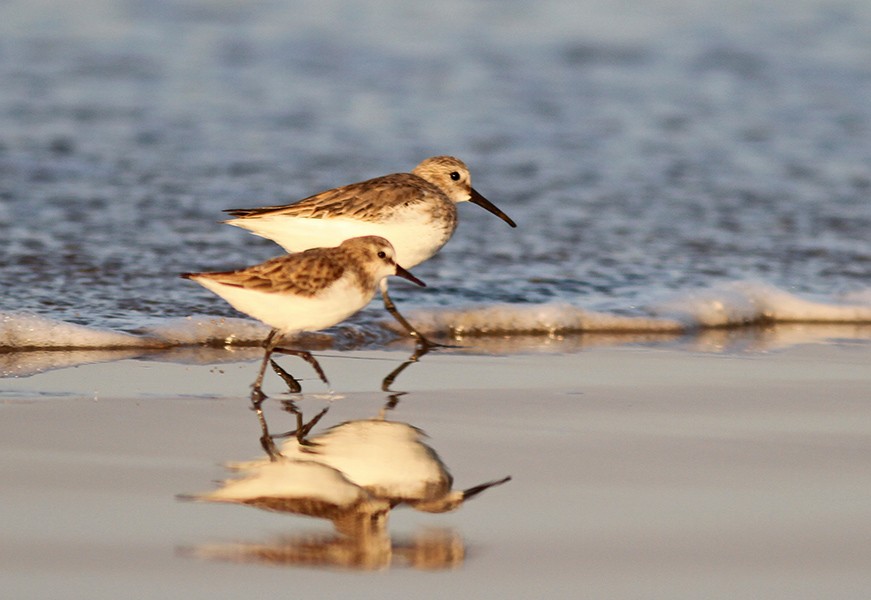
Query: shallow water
{"x":646,"y":150}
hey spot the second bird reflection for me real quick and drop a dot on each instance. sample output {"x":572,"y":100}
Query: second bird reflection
{"x":294,"y":387}
{"x":352,"y":474}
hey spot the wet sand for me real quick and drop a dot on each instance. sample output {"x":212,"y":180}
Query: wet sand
{"x":637,"y":473}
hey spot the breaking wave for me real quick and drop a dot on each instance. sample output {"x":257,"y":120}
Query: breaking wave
{"x":734,"y":305}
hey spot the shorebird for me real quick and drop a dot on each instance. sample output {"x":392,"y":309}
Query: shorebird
{"x":306,"y":291}
{"x":415,"y":211}
{"x":304,"y":488}
{"x":388,"y":459}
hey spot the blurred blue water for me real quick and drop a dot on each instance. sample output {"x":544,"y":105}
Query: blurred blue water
{"x":643,"y":147}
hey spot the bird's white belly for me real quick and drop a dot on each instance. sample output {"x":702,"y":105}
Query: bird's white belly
{"x":291,"y":313}
{"x":415,"y":240}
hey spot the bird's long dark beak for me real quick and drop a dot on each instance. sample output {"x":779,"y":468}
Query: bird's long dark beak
{"x":400,"y":272}
{"x":490,"y":207}
{"x":474,"y":491}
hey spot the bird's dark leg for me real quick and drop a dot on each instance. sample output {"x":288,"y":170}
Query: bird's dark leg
{"x":307,"y":357}
{"x":292,"y":383}
{"x":391,"y":377}
{"x":421,"y":340}
{"x":302,"y":429}
{"x":266,"y":440}
{"x":269,"y":344}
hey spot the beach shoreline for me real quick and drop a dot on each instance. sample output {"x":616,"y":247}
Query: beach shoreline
{"x":636,"y":470}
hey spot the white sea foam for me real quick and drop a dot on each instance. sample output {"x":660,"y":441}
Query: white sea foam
{"x":732,"y":305}
{"x":550,"y":319}
{"x":210,"y":331}
{"x":25,"y":330}
{"x":747,"y":303}
{"x":22,"y":331}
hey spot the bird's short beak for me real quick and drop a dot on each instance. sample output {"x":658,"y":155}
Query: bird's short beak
{"x":490,"y":207}
{"x":400,"y":272}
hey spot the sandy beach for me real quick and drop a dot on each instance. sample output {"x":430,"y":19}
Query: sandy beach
{"x":637,"y":472}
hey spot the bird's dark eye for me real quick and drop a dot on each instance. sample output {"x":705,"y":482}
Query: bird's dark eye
{"x":382,"y":254}
{"x":455,"y":176}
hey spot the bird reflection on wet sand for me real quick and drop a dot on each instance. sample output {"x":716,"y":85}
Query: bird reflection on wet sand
{"x":351,"y":474}
{"x":429,"y":549}
{"x":388,"y":380}
{"x":294,"y":387}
